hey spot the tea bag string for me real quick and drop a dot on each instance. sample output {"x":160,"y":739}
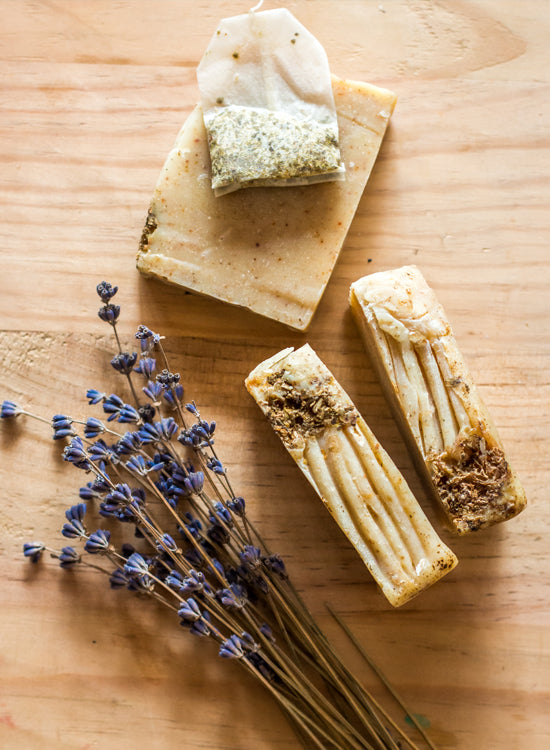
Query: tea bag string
{"x":272,"y":99}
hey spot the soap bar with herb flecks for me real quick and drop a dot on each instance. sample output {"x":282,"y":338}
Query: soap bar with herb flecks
{"x":353,"y":475}
{"x":435,"y":401}
{"x":268,"y":249}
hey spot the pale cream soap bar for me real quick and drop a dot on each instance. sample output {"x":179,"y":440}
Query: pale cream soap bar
{"x":268,"y":249}
{"x":353,"y":475}
{"x":437,"y":405}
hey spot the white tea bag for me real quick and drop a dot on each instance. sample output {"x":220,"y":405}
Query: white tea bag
{"x":268,"y":106}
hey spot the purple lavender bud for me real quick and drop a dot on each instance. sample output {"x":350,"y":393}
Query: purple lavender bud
{"x":206,"y":428}
{"x":94,"y":397}
{"x":146,"y":334}
{"x":248,"y":643}
{"x":167,"y":428}
{"x":143,"y":332}
{"x":138,"y":494}
{"x":168,"y":379}
{"x":128,"y":443}
{"x":68,"y":557}
{"x":109,"y":313}
{"x":74,"y":528}
{"x":100,"y":451}
{"x":137,"y":465}
{"x":98,"y":542}
{"x":121,"y":494}
{"x":195,"y":581}
{"x":236,"y":505}
{"x":128,"y":414}
{"x":186,"y":437}
{"x":148,"y":433}
{"x":275,"y":564}
{"x":144,"y":583}
{"x":112,"y":405}
{"x":223,"y":515}
{"x":189,"y":610}
{"x":88,"y":492}
{"x":136,"y":565}
{"x":194,"y":482}
{"x":233,"y":597}
{"x":75,"y":453}
{"x":62,"y":427}
{"x":9,"y":410}
{"x":231,"y":648}
{"x":218,"y":567}
{"x":192,"y":409}
{"x":167,"y":543}
{"x":174,"y":579}
{"x":34,"y":550}
{"x":216,"y":466}
{"x":153,"y":390}
{"x":106,"y":291}
{"x":101,"y":484}
{"x":266,"y":631}
{"x":174,"y":394}
{"x":124,"y":362}
{"x":109,"y":510}
{"x":93,"y":428}
{"x":251,"y":557}
{"x":194,"y":526}
{"x":164,"y":461}
{"x":146,"y":367}
{"x":200,"y":627}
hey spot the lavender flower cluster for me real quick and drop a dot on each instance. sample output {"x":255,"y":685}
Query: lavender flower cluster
{"x":152,"y":465}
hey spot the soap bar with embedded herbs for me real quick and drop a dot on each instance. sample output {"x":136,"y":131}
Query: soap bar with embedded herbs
{"x":267,"y":249}
{"x":353,"y":475}
{"x":442,"y":417}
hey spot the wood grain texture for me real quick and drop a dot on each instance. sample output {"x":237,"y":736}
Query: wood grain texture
{"x":92,"y":96}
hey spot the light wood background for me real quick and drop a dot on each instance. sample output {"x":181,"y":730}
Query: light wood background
{"x":92,"y":96}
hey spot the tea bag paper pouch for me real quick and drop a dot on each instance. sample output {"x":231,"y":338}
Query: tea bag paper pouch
{"x":268,"y":106}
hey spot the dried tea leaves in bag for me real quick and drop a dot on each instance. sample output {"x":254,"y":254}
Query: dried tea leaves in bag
{"x":268,"y":105}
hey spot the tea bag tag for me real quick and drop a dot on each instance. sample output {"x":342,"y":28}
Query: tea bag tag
{"x":268,"y":106}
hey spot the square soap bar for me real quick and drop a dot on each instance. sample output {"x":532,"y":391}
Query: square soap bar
{"x":270,"y":250}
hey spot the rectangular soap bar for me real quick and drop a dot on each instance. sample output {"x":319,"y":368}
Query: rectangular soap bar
{"x":353,"y":475}
{"x":268,"y":249}
{"x":435,"y":401}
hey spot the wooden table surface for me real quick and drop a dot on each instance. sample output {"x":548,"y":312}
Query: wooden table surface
{"x":92,"y":96}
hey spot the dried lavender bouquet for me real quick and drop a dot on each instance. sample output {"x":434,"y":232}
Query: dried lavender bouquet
{"x":195,"y":550}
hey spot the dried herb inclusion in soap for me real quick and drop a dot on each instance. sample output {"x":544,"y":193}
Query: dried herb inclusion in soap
{"x":295,"y":414}
{"x":248,"y":144}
